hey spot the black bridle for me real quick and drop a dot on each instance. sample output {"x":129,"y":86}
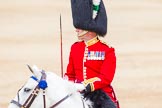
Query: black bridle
{"x":41,"y":85}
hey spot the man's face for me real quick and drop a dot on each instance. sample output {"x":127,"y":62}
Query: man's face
{"x":81,"y":34}
{"x":85,"y":35}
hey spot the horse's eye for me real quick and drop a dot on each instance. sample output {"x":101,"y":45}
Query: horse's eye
{"x":27,"y":89}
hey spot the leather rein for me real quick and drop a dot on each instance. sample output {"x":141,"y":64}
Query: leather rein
{"x":41,"y":85}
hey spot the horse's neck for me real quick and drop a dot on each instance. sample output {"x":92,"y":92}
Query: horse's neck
{"x":74,"y":101}
{"x":59,"y":88}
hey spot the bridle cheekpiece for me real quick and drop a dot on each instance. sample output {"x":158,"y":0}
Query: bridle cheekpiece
{"x":42,"y":84}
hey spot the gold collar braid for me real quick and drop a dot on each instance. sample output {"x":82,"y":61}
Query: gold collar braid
{"x":92,"y":41}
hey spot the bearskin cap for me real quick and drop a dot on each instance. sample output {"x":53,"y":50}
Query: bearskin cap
{"x":89,"y":15}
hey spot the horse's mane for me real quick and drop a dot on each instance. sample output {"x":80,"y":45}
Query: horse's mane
{"x":68,"y":86}
{"x":59,"y":81}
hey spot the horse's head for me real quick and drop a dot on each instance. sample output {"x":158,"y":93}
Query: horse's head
{"x":46,"y":90}
{"x":28,"y":95}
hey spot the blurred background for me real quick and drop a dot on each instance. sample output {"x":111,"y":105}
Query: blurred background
{"x":30,"y":34}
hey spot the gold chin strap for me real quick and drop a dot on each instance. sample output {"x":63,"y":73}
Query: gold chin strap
{"x":82,"y":33}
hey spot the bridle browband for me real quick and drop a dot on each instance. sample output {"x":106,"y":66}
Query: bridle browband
{"x":41,"y":85}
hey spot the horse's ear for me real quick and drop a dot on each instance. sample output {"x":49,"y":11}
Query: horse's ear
{"x":30,"y":68}
{"x":36,"y":71}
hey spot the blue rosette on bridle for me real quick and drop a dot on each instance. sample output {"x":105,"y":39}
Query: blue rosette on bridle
{"x":43,"y":84}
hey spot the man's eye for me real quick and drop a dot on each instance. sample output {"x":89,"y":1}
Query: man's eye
{"x":27,"y":89}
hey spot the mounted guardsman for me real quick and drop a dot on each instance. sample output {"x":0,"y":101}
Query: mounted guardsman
{"x":92,"y":63}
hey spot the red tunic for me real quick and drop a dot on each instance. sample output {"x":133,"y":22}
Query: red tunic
{"x":94,"y":60}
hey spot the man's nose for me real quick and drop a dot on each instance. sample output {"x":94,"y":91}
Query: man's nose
{"x":77,"y":30}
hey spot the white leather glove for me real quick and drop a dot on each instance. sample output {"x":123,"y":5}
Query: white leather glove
{"x":79,"y":86}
